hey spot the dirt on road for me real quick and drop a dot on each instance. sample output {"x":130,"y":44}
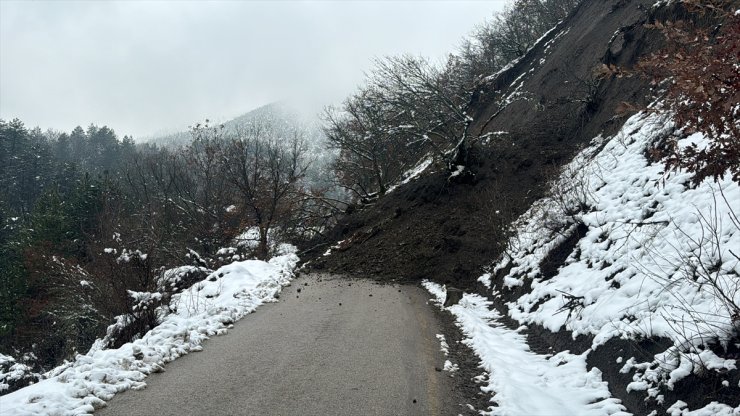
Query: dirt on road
{"x":330,"y":346}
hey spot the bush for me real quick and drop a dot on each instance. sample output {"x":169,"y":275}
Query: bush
{"x":698,"y":68}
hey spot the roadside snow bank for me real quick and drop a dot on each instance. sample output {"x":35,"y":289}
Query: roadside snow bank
{"x":208,"y":308}
{"x":522,"y":382}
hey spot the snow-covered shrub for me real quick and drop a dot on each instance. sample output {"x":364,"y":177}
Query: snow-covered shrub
{"x":16,"y":374}
{"x":83,"y":386}
{"x":179,"y":278}
{"x":699,"y":265}
{"x":148,"y":309}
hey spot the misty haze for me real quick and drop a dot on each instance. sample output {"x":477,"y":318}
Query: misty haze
{"x":146,"y":68}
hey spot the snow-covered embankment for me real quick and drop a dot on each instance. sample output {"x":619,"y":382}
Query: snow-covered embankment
{"x":207,"y":308}
{"x":619,"y":249}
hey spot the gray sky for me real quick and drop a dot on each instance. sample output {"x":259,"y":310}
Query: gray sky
{"x":145,"y":68}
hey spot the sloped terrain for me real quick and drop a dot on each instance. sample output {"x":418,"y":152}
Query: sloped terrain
{"x":620,"y":272}
{"x":433,"y":228}
{"x":634,"y":268}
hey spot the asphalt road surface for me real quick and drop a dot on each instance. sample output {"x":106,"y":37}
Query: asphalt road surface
{"x":329,"y":347}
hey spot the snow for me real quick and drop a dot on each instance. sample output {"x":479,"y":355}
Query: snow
{"x":522,"y":382}
{"x":450,"y":367}
{"x":251,"y":236}
{"x":172,"y":277}
{"x":439,"y":292}
{"x":206,"y":309}
{"x":127,"y":255}
{"x":443,"y":346}
{"x":459,"y":169}
{"x":485,"y":279}
{"x":412,"y":173}
{"x":712,"y":409}
{"x":656,"y":259}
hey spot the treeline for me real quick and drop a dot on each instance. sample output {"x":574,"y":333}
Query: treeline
{"x":410,"y":109}
{"x":52,"y":191}
{"x":87,"y":217}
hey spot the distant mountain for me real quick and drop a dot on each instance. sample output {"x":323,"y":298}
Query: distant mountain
{"x":276,"y":114}
{"x":282,"y":116}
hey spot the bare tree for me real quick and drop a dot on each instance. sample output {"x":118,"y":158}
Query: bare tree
{"x":372,"y":155}
{"x":266,"y":170}
{"x":410,"y":108}
{"x":510,"y":34}
{"x":208,"y":196}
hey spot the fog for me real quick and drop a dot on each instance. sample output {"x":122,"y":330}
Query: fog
{"x":145,"y":68}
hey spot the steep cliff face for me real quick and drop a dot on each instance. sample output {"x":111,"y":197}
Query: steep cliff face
{"x":557,"y":96}
{"x":531,"y":118}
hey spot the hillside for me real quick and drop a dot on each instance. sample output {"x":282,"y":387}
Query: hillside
{"x":612,"y":266}
{"x":279,"y":113}
{"x":554,"y":106}
{"x":285,"y":119}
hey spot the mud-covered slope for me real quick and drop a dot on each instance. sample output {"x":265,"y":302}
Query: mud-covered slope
{"x":604,"y":263}
{"x":432,"y":228}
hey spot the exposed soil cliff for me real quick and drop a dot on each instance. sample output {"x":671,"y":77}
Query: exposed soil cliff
{"x":555,"y":103}
{"x":531,"y":119}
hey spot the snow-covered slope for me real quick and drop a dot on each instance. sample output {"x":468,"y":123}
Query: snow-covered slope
{"x":523,"y":382}
{"x":208,"y":308}
{"x":638,"y":254}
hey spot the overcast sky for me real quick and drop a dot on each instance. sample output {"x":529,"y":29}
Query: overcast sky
{"x":144,"y":68}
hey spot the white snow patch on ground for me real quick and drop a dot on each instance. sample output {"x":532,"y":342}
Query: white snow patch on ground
{"x":337,"y":245}
{"x":208,"y":308}
{"x":412,"y":173}
{"x":450,"y":367}
{"x":443,"y":346}
{"x":658,"y":258}
{"x":522,"y":382}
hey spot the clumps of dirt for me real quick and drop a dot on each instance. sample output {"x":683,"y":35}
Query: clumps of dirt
{"x":427,"y":229}
{"x":447,"y":231}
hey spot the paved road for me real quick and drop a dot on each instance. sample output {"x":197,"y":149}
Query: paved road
{"x":309,"y":355}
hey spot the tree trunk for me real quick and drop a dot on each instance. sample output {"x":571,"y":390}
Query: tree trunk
{"x":262,"y":248}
